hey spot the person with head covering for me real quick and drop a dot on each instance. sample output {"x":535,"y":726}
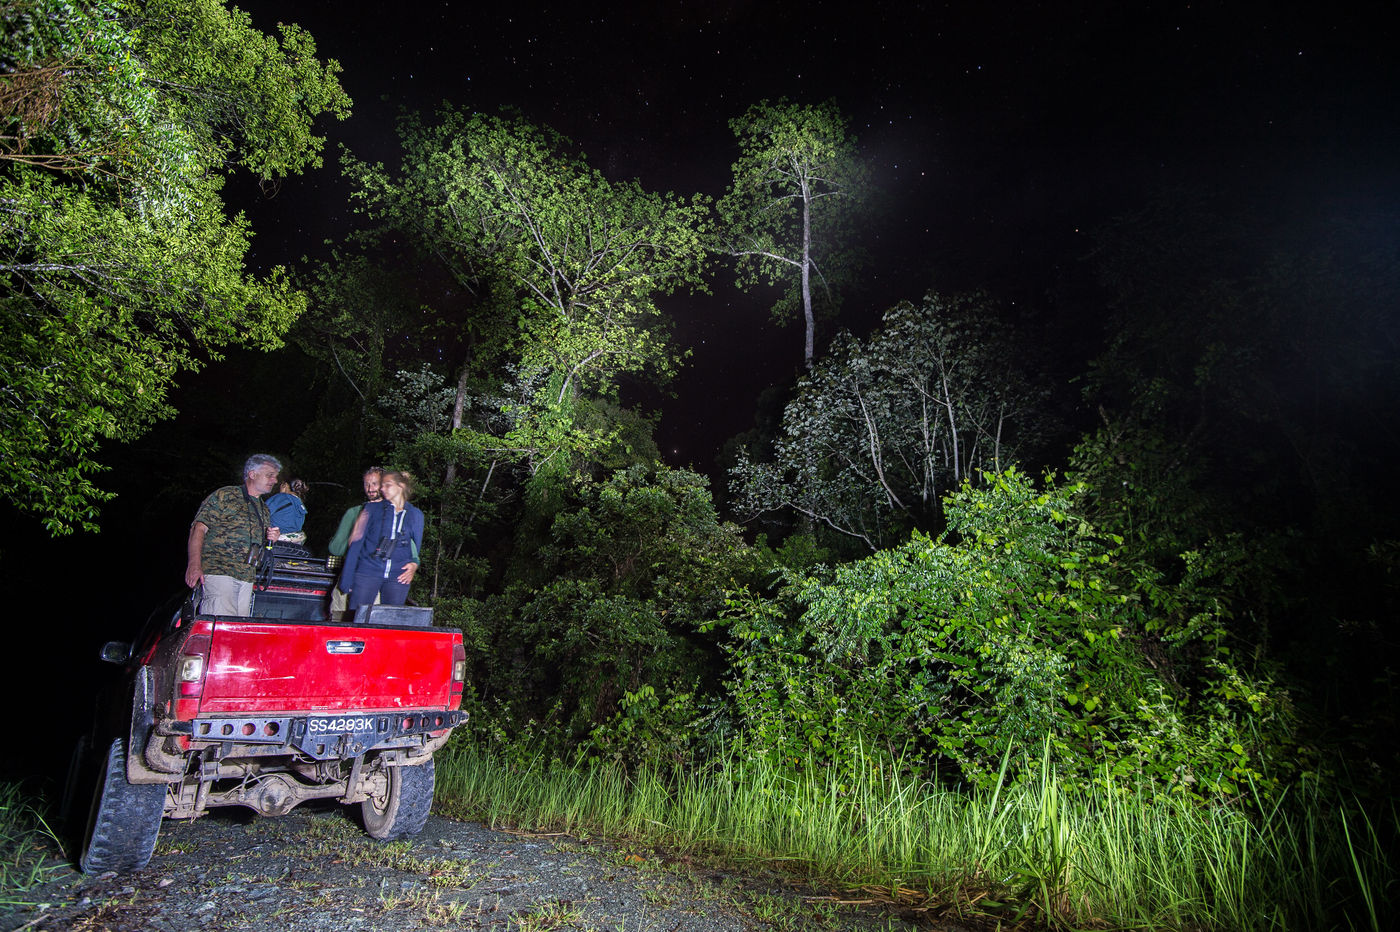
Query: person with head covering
{"x":288,"y":509}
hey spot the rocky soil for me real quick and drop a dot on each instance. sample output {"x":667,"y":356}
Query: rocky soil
{"x":315,"y":871}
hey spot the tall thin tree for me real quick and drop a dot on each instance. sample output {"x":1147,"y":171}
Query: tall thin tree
{"x":787,"y":217}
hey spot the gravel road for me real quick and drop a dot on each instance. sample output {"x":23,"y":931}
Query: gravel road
{"x":314,"y":870}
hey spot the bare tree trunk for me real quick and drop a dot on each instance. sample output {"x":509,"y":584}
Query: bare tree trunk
{"x":952,"y":424}
{"x":877,"y":461}
{"x":809,"y":347}
{"x":459,"y":407}
{"x":1001,"y":419}
{"x":928,"y":478}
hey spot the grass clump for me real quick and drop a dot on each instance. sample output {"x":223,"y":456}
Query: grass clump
{"x":27,"y":845}
{"x":1039,"y":853}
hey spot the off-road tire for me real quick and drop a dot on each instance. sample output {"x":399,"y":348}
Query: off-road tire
{"x":124,"y":821}
{"x":403,"y":807}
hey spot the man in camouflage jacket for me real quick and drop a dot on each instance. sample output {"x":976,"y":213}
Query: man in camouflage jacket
{"x":232,"y":523}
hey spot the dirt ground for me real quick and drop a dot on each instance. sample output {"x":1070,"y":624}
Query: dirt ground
{"x":314,"y":870}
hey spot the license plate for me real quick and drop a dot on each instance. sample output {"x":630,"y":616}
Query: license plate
{"x":341,"y":725}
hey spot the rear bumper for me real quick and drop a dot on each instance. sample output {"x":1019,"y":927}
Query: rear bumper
{"x":335,"y":736}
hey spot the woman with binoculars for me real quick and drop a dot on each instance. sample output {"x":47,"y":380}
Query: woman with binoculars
{"x":384,"y":547}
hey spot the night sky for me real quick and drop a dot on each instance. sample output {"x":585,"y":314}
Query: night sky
{"x":1000,"y":135}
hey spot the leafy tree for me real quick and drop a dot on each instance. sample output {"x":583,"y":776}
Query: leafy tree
{"x":148,"y":92}
{"x":418,"y":401}
{"x":798,"y":185}
{"x":119,"y":268}
{"x":506,"y":204}
{"x":882,"y":427}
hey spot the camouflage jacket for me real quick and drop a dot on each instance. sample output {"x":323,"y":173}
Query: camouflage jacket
{"x":236,"y":522}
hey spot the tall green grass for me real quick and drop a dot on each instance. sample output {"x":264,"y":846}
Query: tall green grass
{"x":27,"y":845}
{"x":1040,"y":853}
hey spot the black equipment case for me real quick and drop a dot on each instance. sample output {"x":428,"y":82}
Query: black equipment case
{"x":293,"y":584}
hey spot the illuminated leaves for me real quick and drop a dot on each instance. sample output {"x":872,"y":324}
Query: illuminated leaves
{"x":882,"y":427}
{"x":507,"y":204}
{"x":120,"y":268}
{"x":1021,"y":623}
{"x":787,"y":218}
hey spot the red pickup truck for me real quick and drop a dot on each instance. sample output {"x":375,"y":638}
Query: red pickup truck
{"x":268,"y":712}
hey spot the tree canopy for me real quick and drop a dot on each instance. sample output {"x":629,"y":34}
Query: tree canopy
{"x":506,"y":204}
{"x":120,"y":267}
{"x":883,"y":428}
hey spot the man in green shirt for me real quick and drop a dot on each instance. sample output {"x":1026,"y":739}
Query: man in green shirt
{"x":227,"y":536}
{"x":340,"y":543}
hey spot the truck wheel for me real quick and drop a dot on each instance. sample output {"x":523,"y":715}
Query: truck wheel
{"x":125,"y":819}
{"x":399,"y":805}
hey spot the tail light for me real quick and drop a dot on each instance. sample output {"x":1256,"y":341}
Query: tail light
{"x":459,"y":673}
{"x":193,"y":665}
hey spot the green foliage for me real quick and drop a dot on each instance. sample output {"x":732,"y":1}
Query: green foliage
{"x":246,"y":99}
{"x":789,"y":214}
{"x":118,"y":266}
{"x":648,"y":731}
{"x":1020,"y":621}
{"x":881,"y":427}
{"x":418,"y":401}
{"x":511,"y":207}
{"x":101,"y":311}
{"x":27,"y":846}
{"x":75,"y":97}
{"x":150,"y":95}
{"x":609,"y":606}
{"x":800,"y":553}
{"x":556,"y":269}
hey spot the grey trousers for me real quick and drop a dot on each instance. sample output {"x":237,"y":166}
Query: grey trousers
{"x":224,"y":595}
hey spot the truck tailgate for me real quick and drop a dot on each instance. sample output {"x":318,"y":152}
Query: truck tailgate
{"x":262,"y":666}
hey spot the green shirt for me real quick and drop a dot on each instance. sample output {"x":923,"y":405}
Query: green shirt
{"x":340,"y":543}
{"x":237,"y":521}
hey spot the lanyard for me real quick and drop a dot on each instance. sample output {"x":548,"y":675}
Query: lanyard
{"x":395,"y":528}
{"x":255,"y":518}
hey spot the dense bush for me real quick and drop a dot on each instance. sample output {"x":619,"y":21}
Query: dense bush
{"x":1020,"y":621}
{"x":598,"y":643}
